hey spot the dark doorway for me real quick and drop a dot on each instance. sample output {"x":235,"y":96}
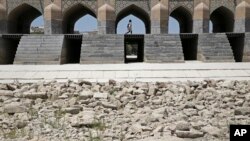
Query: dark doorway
{"x":223,"y":20}
{"x":189,"y":45}
{"x":134,"y":48}
{"x":71,"y":49}
{"x":8,"y":48}
{"x":237,"y":43}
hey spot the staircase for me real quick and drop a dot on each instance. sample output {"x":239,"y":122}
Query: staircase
{"x":163,"y":48}
{"x":39,"y":49}
{"x":214,"y":48}
{"x":102,"y":49}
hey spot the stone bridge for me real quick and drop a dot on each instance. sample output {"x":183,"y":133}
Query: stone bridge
{"x":61,"y":15}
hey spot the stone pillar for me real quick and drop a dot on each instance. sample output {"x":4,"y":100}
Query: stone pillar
{"x":3,"y":17}
{"x":201,"y":18}
{"x":52,"y":17}
{"x":242,"y":17}
{"x":159,"y":19}
{"x":106,"y":19}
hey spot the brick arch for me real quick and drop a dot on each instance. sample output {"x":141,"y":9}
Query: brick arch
{"x":215,"y":4}
{"x":136,"y":11}
{"x":120,"y":5}
{"x":184,"y":17}
{"x":37,"y":4}
{"x":74,"y":13}
{"x":222,"y":19}
{"x":181,"y":6}
{"x":21,"y":17}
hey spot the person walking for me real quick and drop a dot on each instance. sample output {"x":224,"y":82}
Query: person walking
{"x":129,"y":26}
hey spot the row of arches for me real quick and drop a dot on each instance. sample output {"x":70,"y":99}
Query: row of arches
{"x":20,"y":19}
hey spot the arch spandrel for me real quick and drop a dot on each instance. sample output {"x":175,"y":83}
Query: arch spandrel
{"x":37,"y":4}
{"x":76,"y":7}
{"x":187,"y":4}
{"x":120,"y":5}
{"x":90,"y":4}
{"x":229,"y":4}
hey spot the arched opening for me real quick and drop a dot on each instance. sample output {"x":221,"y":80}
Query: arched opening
{"x":37,"y":26}
{"x":86,"y":24}
{"x":184,"y":18}
{"x":210,"y":26}
{"x":222,"y":20}
{"x":20,"y":19}
{"x":72,"y":15}
{"x":173,"y":26}
{"x":138,"y":25}
{"x":136,"y":12}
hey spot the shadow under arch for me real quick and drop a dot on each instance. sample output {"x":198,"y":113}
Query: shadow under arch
{"x":184,"y":17}
{"x":20,"y":18}
{"x":222,"y":19}
{"x":73,"y":14}
{"x":137,"y":12}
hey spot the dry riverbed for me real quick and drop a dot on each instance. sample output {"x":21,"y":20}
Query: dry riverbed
{"x":112,"y":111}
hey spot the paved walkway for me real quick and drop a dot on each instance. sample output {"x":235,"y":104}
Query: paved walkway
{"x":194,"y":71}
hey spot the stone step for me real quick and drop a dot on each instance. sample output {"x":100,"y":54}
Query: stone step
{"x":44,"y":37}
{"x":37,"y":49}
{"x":38,"y":52}
{"x":29,"y":62}
{"x":38,"y":41}
{"x":163,"y":48}
{"x":38,"y":59}
{"x":215,"y":47}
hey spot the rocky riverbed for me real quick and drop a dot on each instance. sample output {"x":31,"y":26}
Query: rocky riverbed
{"x":112,"y":111}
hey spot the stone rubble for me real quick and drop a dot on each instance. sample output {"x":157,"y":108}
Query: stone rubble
{"x":123,"y":111}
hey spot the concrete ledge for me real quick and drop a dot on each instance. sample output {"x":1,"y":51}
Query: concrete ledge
{"x":130,"y":72}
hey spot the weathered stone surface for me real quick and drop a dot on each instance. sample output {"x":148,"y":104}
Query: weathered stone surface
{"x":242,"y":111}
{"x":109,"y":105}
{"x":189,"y":134}
{"x":173,"y":110}
{"x":85,"y":118}
{"x":35,"y":95}
{"x":6,"y":93}
{"x":183,"y":126}
{"x":101,"y":95}
{"x":15,"y":107}
{"x":72,"y":110}
{"x":212,"y":131}
{"x":86,"y":94}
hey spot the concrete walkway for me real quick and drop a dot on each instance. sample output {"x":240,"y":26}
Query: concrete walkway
{"x":193,"y":71}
